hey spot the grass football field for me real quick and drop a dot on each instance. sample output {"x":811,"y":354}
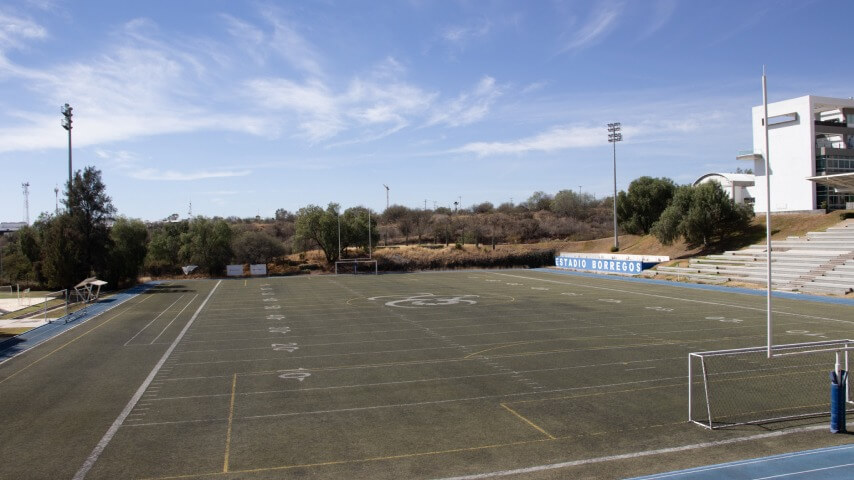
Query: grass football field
{"x":521,"y":374}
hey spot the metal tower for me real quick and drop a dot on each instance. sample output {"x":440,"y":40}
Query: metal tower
{"x":26,"y":186}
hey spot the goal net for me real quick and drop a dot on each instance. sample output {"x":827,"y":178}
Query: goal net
{"x":744,"y":386}
{"x":357,"y":266}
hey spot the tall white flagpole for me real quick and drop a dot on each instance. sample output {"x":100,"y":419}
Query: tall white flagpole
{"x":767,"y":213}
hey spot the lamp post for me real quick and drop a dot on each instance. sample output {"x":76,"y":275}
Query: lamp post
{"x":66,"y":124}
{"x":615,"y":136}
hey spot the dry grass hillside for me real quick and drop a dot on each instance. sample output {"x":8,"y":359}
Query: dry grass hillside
{"x":429,"y":257}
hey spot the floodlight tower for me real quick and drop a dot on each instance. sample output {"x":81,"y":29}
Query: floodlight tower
{"x":56,"y":194}
{"x":66,"y":124}
{"x":615,"y":136}
{"x":26,"y":187}
{"x":386,"y":196}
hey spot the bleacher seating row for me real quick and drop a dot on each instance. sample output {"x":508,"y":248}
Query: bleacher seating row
{"x":820,"y":262}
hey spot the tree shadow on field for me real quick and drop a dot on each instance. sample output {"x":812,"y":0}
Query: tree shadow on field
{"x":167,"y":289}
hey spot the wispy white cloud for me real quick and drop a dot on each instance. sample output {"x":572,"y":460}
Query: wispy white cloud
{"x":290,"y":45}
{"x":460,"y":35}
{"x":468,"y":107}
{"x":15,"y":31}
{"x":601,"y":22}
{"x":556,"y":138}
{"x":129,"y":164}
{"x":662,"y":11}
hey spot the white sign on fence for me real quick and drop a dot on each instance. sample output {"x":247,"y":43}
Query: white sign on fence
{"x":259,"y":269}
{"x":234,"y":270}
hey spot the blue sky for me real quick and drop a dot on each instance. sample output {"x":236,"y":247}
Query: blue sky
{"x":245,"y":107}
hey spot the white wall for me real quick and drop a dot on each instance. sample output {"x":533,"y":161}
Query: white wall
{"x":792,"y":157}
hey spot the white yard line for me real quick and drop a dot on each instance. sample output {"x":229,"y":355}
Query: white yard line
{"x":173,"y":320}
{"x":155,"y":319}
{"x":633,"y":455}
{"x":111,"y":432}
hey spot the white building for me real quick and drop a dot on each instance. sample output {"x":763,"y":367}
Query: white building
{"x":739,"y":186}
{"x":811,"y":154}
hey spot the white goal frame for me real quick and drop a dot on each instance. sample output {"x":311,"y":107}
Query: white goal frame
{"x":356,"y":262}
{"x":840,"y":347}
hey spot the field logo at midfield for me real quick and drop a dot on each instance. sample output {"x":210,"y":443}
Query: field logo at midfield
{"x":420,"y":300}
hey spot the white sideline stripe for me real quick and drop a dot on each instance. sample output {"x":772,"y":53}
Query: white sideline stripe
{"x":805,"y":471}
{"x":99,"y":448}
{"x":751,"y":462}
{"x":629,"y":456}
{"x":745,"y":307}
{"x":155,"y":319}
{"x":173,"y":320}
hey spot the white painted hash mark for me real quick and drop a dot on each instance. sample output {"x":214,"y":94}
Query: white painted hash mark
{"x":111,"y":432}
{"x":285,"y":347}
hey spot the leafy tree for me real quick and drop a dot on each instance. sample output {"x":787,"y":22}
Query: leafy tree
{"x":641,"y":207}
{"x":90,"y":209}
{"x":394,"y":213}
{"x":319,"y":226}
{"x":164,"y":248}
{"x":128,"y":249}
{"x":702,"y":215}
{"x":567,"y":203}
{"x":207,"y":243}
{"x":63,"y":252}
{"x":256,"y":247}
{"x":539,"y":201}
{"x":485,"y":207}
{"x":354,"y":228}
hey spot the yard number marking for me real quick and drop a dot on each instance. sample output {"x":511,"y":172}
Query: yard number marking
{"x":285,"y":347}
{"x":725,"y":320}
{"x":610,"y":300}
{"x":275,"y":317}
{"x":280,"y":329}
{"x":271,"y":299}
{"x":660,"y":309}
{"x":298,"y":374}
{"x":807,"y":333}
{"x":272,"y":307}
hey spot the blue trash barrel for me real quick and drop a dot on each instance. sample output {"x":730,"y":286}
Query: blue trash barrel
{"x":837,"y":401}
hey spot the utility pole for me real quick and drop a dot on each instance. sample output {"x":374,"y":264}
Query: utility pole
{"x":26,"y":186}
{"x":66,"y":124}
{"x":615,"y":136}
{"x":386,"y":196}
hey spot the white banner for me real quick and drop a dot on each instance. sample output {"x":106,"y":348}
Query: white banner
{"x":234,"y":270}
{"x":259,"y":269}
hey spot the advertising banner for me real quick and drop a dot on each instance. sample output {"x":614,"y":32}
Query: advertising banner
{"x":259,"y":269}
{"x":234,"y":270}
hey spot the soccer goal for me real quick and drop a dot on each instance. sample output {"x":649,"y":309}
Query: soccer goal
{"x":55,"y":306}
{"x":743,"y":386}
{"x":356,"y":266}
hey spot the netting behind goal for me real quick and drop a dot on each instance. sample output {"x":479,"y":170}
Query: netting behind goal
{"x":744,"y":386}
{"x":358,"y":266}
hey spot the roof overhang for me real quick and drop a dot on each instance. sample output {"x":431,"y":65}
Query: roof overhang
{"x":841,"y":182}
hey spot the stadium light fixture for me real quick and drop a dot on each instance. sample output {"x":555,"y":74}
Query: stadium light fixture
{"x":66,"y":124}
{"x":615,"y":136}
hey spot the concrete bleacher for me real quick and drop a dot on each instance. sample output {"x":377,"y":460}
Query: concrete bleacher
{"x":820,"y":262}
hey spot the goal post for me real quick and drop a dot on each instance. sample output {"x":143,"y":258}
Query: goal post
{"x":743,"y":386}
{"x":356,"y":266}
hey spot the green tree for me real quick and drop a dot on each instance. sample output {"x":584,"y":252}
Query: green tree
{"x":256,"y":247}
{"x":91,"y":210}
{"x":354,"y":228}
{"x":164,"y":248}
{"x":702,"y":215}
{"x":63,"y":252}
{"x":315,"y":225}
{"x":207,"y":243}
{"x":128,"y":248}
{"x":539,"y":201}
{"x":641,"y":207}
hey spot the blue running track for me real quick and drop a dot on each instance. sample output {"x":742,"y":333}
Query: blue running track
{"x":25,"y":341}
{"x":834,"y":463}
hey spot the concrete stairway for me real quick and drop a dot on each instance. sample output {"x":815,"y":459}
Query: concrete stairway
{"x":820,"y":262}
